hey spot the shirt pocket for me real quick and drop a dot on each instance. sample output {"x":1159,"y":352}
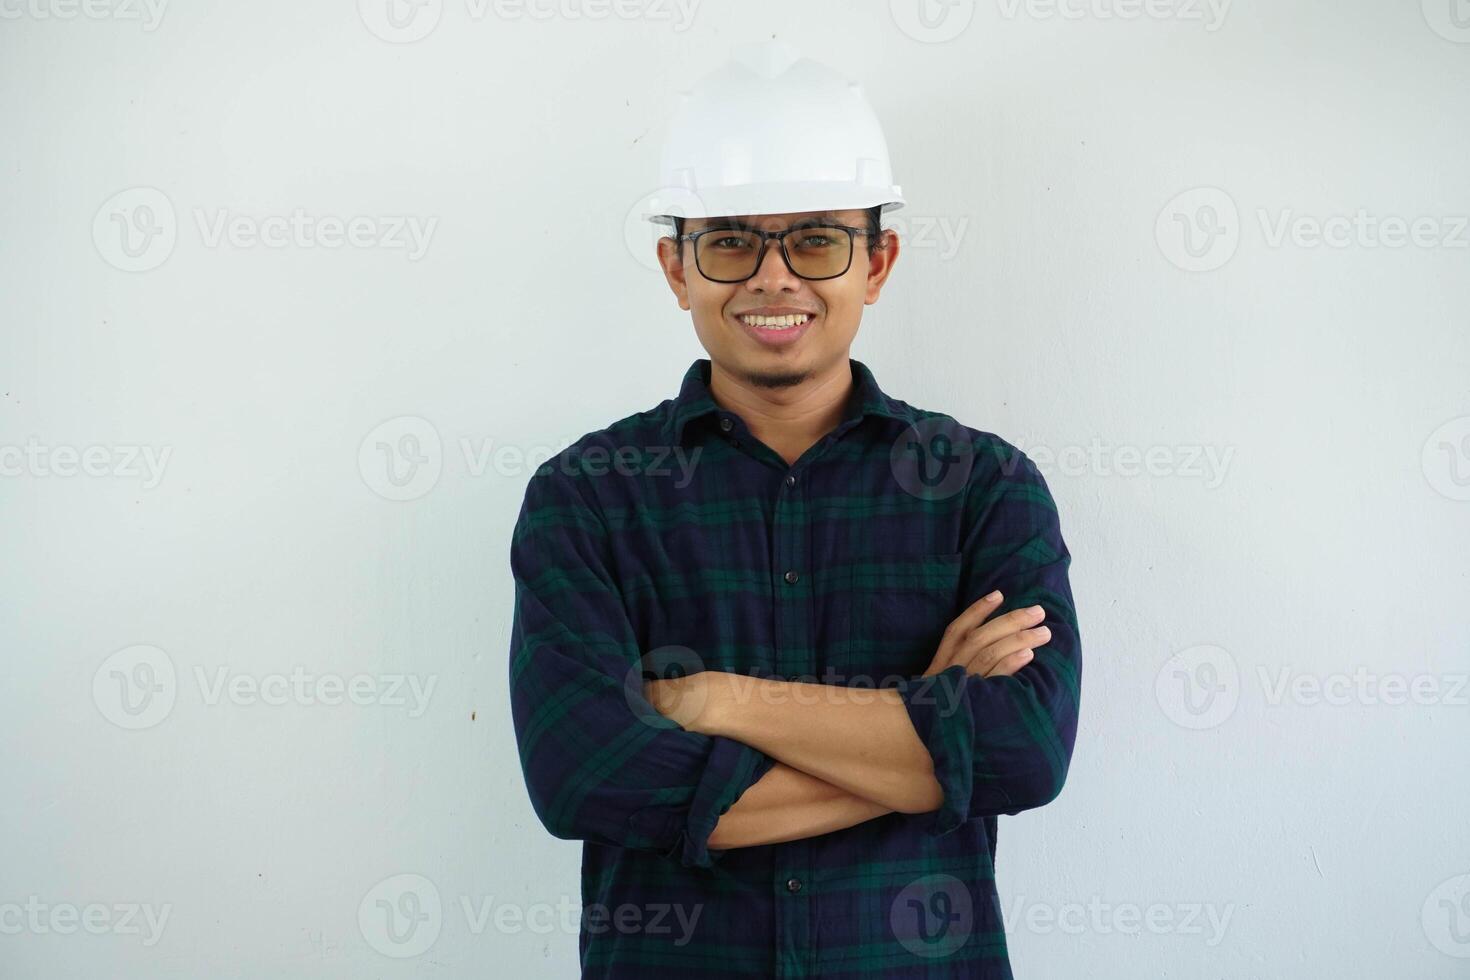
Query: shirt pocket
{"x":896,"y":610}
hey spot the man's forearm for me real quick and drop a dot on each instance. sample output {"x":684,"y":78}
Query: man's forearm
{"x":858,"y":739}
{"x":787,"y":804}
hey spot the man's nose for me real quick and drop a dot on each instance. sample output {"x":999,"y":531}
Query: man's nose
{"x":772,"y":263}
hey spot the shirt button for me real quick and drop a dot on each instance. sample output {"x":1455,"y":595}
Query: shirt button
{"x":792,"y":577}
{"x":726,"y":424}
{"x":791,"y":481}
{"x":793,"y":884}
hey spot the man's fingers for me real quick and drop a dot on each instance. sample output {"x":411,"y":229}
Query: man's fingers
{"x":975,"y":614}
{"x":1001,"y":627}
{"x":984,"y":659}
{"x":959,"y":629}
{"x":1009,"y":665}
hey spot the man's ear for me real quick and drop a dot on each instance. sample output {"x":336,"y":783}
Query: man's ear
{"x":674,"y":274}
{"x":880,"y":264}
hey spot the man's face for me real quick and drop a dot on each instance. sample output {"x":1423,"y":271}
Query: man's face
{"x":763,"y":355}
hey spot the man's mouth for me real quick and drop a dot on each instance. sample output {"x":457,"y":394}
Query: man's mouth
{"x":776,"y":322}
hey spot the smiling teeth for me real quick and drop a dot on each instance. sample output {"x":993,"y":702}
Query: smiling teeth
{"x":777,"y":322}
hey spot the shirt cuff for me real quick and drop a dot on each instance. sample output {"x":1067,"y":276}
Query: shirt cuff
{"x":940,"y":714}
{"x":731,"y":769}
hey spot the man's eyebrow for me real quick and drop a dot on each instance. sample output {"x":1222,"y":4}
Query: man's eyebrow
{"x":825,"y":218}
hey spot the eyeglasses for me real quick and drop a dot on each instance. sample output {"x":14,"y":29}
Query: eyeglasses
{"x":733,"y":254}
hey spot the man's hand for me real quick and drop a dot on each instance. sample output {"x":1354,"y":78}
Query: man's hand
{"x":998,"y":648}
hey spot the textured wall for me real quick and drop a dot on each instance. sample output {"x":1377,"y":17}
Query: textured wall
{"x":1206,"y":262}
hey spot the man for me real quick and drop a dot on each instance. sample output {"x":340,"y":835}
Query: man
{"x":784,"y":646}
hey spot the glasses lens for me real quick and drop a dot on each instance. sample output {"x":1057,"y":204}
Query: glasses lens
{"x":730,"y":255}
{"x":819,"y":253}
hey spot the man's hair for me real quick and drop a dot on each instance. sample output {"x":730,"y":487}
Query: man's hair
{"x":874,"y":235}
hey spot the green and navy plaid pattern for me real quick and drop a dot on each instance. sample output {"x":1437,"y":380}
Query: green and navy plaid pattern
{"x":674,"y":540}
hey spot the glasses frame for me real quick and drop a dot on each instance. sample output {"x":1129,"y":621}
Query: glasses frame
{"x":779,"y":236}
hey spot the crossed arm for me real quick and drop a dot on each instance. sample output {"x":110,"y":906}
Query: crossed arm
{"x":844,"y":754}
{"x":992,"y":735}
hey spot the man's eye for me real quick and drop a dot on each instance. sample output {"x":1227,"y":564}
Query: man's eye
{"x":730,"y":241}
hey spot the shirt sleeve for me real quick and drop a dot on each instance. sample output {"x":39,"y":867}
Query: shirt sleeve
{"x":1003,"y":744}
{"x":600,"y":763}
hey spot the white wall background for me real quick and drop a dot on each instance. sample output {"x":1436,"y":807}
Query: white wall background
{"x":1256,"y":792}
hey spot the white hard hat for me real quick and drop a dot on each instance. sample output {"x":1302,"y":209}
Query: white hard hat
{"x":772,"y":132}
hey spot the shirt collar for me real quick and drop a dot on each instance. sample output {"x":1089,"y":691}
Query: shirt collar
{"x":694,"y":400}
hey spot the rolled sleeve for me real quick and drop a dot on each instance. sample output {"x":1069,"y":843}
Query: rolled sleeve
{"x":599,"y":763}
{"x":1004,"y":744}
